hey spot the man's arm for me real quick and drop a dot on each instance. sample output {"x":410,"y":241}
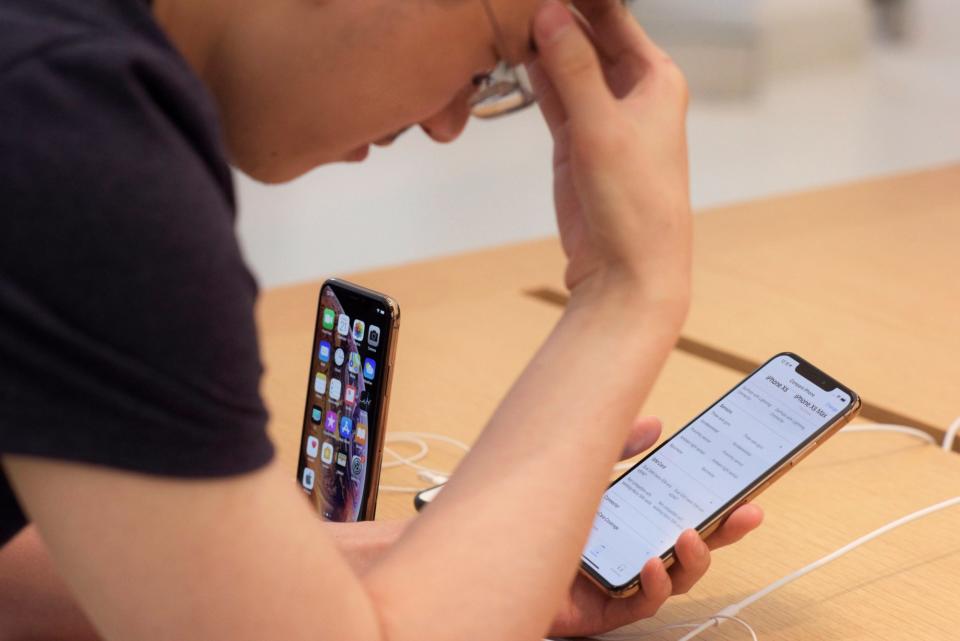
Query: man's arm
{"x":150,"y":558}
{"x":35,"y":603}
{"x":246,"y":558}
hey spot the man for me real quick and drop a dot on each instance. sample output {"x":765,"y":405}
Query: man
{"x":131,"y":429}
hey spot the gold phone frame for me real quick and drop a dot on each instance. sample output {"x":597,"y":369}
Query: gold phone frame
{"x":751,"y":491}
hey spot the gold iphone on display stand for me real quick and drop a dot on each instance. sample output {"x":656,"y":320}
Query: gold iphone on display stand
{"x":348,"y":390}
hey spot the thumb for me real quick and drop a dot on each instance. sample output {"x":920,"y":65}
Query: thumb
{"x":643,"y":434}
{"x":570,"y":63}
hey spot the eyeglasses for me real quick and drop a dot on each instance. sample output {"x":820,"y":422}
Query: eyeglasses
{"x":504,"y":90}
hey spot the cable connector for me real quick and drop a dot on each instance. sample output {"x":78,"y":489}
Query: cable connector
{"x":728,"y":613}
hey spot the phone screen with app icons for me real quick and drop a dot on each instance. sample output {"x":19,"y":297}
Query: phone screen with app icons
{"x":342,"y":436}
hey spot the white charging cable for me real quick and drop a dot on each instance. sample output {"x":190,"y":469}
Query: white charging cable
{"x":731,"y":611}
{"x":888,"y":427}
{"x":424,"y":473}
{"x":617,"y":635}
{"x":951,"y":435}
{"x":436,"y":477}
{"x":948,"y":438}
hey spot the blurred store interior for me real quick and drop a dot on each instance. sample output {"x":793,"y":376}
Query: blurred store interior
{"x":787,"y":95}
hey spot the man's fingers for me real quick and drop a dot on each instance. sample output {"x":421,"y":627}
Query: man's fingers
{"x":633,"y":59}
{"x":741,"y":522}
{"x":643,"y":434}
{"x":692,"y":561}
{"x":570,"y":63}
{"x":656,"y":588}
{"x":617,"y":32}
{"x":547,"y":98}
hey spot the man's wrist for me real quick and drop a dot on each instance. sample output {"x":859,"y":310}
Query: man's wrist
{"x":621,"y":299}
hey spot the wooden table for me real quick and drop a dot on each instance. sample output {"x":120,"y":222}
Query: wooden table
{"x":452,"y":370}
{"x":862,"y":279}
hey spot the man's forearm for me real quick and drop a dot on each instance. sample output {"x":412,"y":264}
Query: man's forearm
{"x":522,"y":500}
{"x":35,"y":603}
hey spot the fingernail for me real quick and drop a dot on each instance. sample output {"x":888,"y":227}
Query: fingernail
{"x":659,"y":569}
{"x":697,"y":542}
{"x":552,"y":21}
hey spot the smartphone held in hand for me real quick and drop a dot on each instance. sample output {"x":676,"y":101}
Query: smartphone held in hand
{"x":722,"y":459}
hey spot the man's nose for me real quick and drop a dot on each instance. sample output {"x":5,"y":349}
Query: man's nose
{"x":447,"y":124}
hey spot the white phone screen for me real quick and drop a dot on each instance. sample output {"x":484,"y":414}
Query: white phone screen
{"x":706,"y":465}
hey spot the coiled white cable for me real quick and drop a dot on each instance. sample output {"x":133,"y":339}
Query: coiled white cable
{"x":427,"y":474}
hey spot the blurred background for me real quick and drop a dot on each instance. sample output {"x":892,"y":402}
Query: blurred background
{"x":787,"y":95}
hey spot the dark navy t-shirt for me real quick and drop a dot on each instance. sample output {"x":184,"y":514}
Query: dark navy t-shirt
{"x":127,"y":334}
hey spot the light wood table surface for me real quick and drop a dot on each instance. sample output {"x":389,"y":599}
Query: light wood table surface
{"x":470,"y":324}
{"x":861,"y":279}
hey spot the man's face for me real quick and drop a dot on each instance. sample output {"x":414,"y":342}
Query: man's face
{"x":301,"y":82}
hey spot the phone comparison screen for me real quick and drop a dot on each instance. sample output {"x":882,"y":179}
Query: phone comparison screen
{"x":706,"y":465}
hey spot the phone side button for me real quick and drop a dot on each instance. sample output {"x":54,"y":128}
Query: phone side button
{"x":770,"y":481}
{"x":802,"y":455}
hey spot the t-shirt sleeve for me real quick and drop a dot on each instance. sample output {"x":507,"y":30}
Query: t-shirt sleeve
{"x":127,"y":335}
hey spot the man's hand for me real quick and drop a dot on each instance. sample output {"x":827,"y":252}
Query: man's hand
{"x":588,"y":611}
{"x":616,"y":109}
